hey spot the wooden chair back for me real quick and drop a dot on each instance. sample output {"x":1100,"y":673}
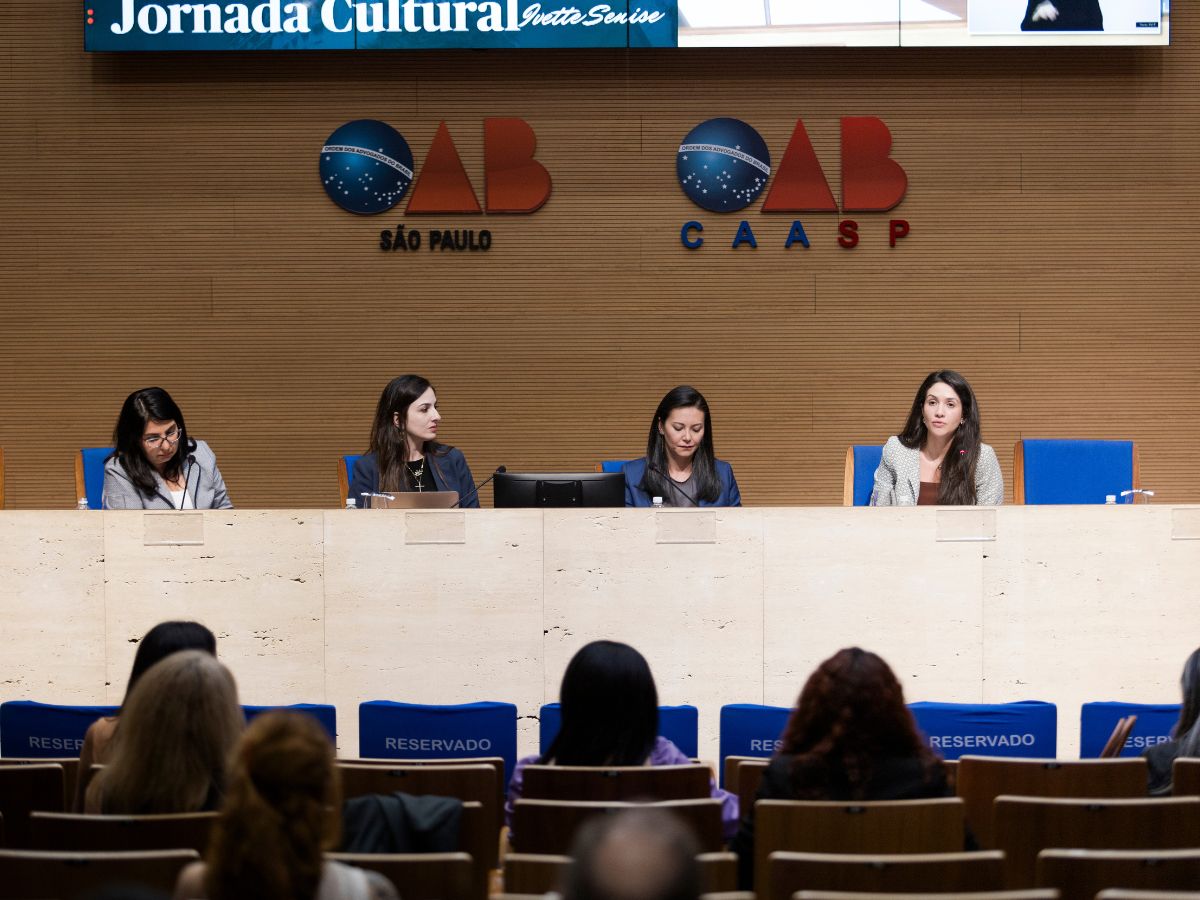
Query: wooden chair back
{"x":729,"y":895}
{"x":981,"y":779}
{"x":70,"y":767}
{"x":602,"y":784}
{"x":36,"y":874}
{"x":419,"y":876}
{"x":1027,"y":825}
{"x":24,"y":788}
{"x":549,"y":826}
{"x":1120,"y":734}
{"x":788,"y":873}
{"x":76,"y":832}
{"x":1031,"y":894}
{"x":880,"y":827}
{"x":1128,"y":894}
{"x":749,"y":776}
{"x":534,"y":873}
{"x":1185,"y":778}
{"x":1081,"y":874}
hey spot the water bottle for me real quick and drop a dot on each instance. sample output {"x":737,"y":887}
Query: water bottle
{"x":82,"y":504}
{"x":656,"y":502}
{"x":351,"y":503}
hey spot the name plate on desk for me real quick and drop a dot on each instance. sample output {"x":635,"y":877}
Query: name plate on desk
{"x":429,"y":527}
{"x":1185,"y":524}
{"x":173,"y":529}
{"x":969,"y":524}
{"x":685,"y":527}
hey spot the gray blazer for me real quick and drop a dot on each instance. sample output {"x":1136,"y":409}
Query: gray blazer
{"x":898,"y":478}
{"x":205,"y":485}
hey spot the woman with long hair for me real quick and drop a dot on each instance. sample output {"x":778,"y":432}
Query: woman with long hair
{"x":158,"y":643}
{"x":939,"y":459}
{"x":609,"y":707}
{"x":177,"y":729}
{"x":850,"y":737}
{"x":404,"y":453}
{"x":1185,"y":736}
{"x":155,"y":464}
{"x":680,"y":466}
{"x":281,"y":813}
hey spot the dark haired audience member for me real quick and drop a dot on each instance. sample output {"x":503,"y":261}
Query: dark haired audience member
{"x":680,"y":465}
{"x":279,"y":817}
{"x":1185,"y":736}
{"x":155,"y":464}
{"x":638,"y":854}
{"x":850,"y":737}
{"x":158,"y":643}
{"x":610,"y":718}
{"x":172,"y":748}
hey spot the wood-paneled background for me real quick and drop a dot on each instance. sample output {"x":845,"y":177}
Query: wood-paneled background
{"x":162,"y":222}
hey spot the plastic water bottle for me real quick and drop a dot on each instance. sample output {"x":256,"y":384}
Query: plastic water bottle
{"x":656,"y":502}
{"x":82,"y":504}
{"x":351,"y":503}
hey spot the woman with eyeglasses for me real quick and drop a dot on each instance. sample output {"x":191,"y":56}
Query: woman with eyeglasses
{"x":155,"y":464}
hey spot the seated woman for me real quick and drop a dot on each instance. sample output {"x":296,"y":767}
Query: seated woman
{"x":1185,"y":736}
{"x":155,"y":464}
{"x":610,"y":718}
{"x":939,"y":459}
{"x":679,"y":465}
{"x":850,"y":737}
{"x":278,"y":818}
{"x":160,"y":642}
{"x":404,"y":453}
{"x":178,"y":728}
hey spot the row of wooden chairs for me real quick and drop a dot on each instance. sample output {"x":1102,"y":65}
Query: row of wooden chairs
{"x":533,"y":873}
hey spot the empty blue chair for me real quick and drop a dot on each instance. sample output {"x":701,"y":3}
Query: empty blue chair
{"x":1153,"y":726}
{"x":389,"y":730}
{"x":749,"y":729}
{"x":322,"y":712}
{"x":89,"y":475}
{"x":1060,"y":471}
{"x":612,"y":465}
{"x":861,"y":462}
{"x":43,"y":730}
{"x":1025,"y":728}
{"x":346,"y":475}
{"x":678,"y":724}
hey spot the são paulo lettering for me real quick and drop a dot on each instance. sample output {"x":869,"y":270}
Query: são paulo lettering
{"x":455,"y":240}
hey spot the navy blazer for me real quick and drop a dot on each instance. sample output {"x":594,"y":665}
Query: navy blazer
{"x":635,"y":496}
{"x":450,"y":473}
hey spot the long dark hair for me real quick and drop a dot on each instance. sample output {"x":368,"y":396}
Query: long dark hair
{"x":164,"y":639}
{"x":609,"y":708}
{"x":707,"y":486}
{"x":850,"y":715}
{"x":151,"y":404}
{"x":389,"y":440}
{"x":1187,"y":729}
{"x":957,"y":487}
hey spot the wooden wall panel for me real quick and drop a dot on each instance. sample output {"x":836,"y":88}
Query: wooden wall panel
{"x":161,"y":221}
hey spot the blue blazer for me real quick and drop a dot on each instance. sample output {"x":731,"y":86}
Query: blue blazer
{"x":450,"y":473}
{"x":635,"y":496}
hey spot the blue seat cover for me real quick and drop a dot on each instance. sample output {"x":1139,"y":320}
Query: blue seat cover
{"x":1025,"y":728}
{"x":866,"y":461}
{"x":612,"y":466}
{"x":1076,"y":471}
{"x":322,"y":712}
{"x":678,"y":724}
{"x":750,"y":729}
{"x":43,"y":730}
{"x":391,"y":730}
{"x":1153,"y":726}
{"x":93,"y":474}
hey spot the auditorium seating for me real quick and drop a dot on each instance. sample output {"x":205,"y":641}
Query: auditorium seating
{"x":612,"y":466}
{"x":70,"y":767}
{"x":389,"y":729}
{"x":1073,"y":471}
{"x":743,"y":775}
{"x":788,"y":873}
{"x":605,"y":783}
{"x":750,"y":730}
{"x":549,"y":826}
{"x":1081,"y":874}
{"x":533,"y":873}
{"x":1129,"y":894}
{"x":36,"y":874}
{"x":89,"y":475}
{"x":981,"y":779}
{"x":1027,"y":825}
{"x":24,"y":789}
{"x":1152,"y":725}
{"x":678,"y":724}
{"x":419,"y":876}
{"x":1185,"y":778}
{"x":76,"y":832}
{"x":1031,"y":894}
{"x":345,"y":472}
{"x":1120,"y":734}
{"x":859,"y":480}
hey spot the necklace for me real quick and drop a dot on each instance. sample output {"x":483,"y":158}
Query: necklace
{"x":417,"y":473}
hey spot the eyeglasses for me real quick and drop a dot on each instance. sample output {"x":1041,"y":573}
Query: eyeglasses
{"x":156,"y":440}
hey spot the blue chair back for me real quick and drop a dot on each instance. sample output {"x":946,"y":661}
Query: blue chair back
{"x":390,"y":730}
{"x":678,"y":724}
{"x":93,"y":474}
{"x":43,"y":730}
{"x":749,"y":729}
{"x":1026,"y":728}
{"x":1076,"y":471}
{"x":322,"y":712}
{"x":866,"y":461}
{"x":612,"y":466}
{"x":1153,"y":726}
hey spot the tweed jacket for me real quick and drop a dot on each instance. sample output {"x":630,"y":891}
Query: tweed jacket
{"x":898,"y":478}
{"x":205,"y":485}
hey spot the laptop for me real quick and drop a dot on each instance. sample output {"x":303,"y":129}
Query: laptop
{"x":413,"y":500}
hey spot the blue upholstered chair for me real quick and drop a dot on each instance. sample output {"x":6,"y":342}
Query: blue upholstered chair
{"x":89,"y":475}
{"x":1153,"y":726}
{"x":612,"y":466}
{"x":1073,"y":471}
{"x":389,"y":730}
{"x":1024,"y":728}
{"x":750,"y":729}
{"x":861,"y":462}
{"x":324,"y":713}
{"x":345,"y":473}
{"x":678,"y":724}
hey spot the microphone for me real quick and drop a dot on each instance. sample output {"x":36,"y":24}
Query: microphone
{"x":500,"y":470}
{"x":671,"y":481}
{"x":191,"y":461}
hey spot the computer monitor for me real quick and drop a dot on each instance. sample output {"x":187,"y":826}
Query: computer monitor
{"x":527,"y":489}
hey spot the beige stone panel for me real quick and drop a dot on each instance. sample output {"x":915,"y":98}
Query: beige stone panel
{"x":1088,"y":603}
{"x":52,"y":607}
{"x":693,"y":609}
{"x":433,"y":622}
{"x":880,"y":579}
{"x":256,"y":581}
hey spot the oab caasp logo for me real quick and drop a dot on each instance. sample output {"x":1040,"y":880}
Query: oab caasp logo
{"x":724,"y":165}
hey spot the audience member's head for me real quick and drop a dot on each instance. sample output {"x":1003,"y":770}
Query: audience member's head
{"x":280,"y":813}
{"x":164,"y":639}
{"x":609,"y":708}
{"x":639,"y":854}
{"x":850,"y":716}
{"x":1187,"y":729}
{"x":172,"y":746}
